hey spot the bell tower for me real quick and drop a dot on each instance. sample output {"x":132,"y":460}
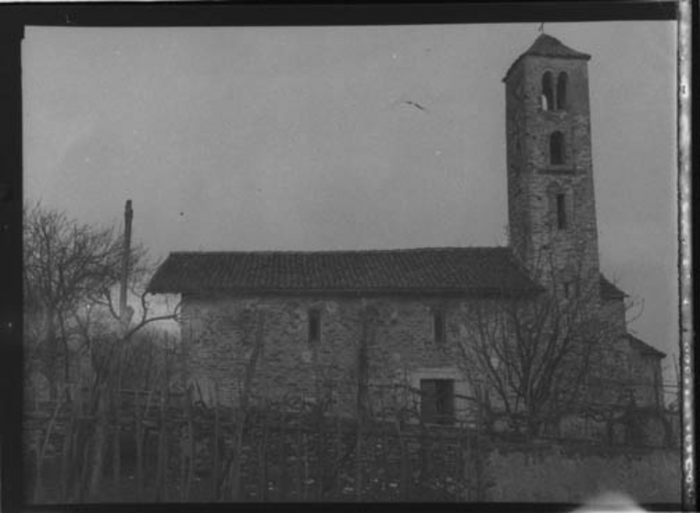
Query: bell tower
{"x":551,"y":204}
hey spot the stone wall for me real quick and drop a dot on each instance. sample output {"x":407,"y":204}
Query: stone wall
{"x":646,"y":369}
{"x":533,"y":181}
{"x":219,"y":333}
{"x":571,"y":473}
{"x":301,"y":456}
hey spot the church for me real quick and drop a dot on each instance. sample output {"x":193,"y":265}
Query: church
{"x":438,"y":331}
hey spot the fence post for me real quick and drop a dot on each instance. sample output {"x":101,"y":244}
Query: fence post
{"x":41,"y":449}
{"x":479,"y":468}
{"x":139,"y":434}
{"x":216,"y":468}
{"x":192,"y":448}
{"x":116,"y":442}
{"x":68,"y":434}
{"x":99,"y":442}
{"x":162,"y":458}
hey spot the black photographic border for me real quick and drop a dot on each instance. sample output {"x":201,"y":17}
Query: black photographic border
{"x":13,"y":19}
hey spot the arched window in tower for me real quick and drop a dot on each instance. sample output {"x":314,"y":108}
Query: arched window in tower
{"x":547,"y":91}
{"x":561,"y":90}
{"x":556,"y":148}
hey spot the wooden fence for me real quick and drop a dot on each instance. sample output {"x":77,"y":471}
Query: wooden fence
{"x":160,"y":445}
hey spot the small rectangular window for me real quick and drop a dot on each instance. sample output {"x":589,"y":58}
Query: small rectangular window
{"x":562,"y":221}
{"x":439,"y":326}
{"x":437,"y":400}
{"x":567,"y":289}
{"x":314,"y":326}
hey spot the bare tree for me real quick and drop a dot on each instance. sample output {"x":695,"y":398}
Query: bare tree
{"x":67,"y":265}
{"x":535,"y":357}
{"x":71,"y":274}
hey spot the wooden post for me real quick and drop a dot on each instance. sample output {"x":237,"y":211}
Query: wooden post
{"x":82,"y":484}
{"x":66,"y":460}
{"x":405,"y":473}
{"x":251,"y":366}
{"x":262,"y":457}
{"x":183,"y":466}
{"x":99,"y":442}
{"x":138,"y":435}
{"x":162,"y":457}
{"x":116,"y":441}
{"x":189,"y":452}
{"x":361,"y":407}
{"x":216,"y":466}
{"x":75,"y":465}
{"x":338,"y":460}
{"x":41,"y":450}
{"x":300,"y":467}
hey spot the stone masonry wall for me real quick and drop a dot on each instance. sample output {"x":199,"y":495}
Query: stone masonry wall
{"x":567,"y":474}
{"x":534,"y":181}
{"x":218,"y":334}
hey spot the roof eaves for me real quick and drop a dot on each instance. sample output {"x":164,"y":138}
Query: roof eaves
{"x":608,"y":290}
{"x":646,"y":348}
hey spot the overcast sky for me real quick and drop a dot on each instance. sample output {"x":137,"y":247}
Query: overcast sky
{"x":249,"y":138}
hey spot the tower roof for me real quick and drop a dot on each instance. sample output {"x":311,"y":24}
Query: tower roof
{"x":548,"y":46}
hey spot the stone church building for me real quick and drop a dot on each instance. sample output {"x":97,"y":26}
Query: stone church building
{"x":285,"y":325}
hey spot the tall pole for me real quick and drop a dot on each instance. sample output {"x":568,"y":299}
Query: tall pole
{"x":123,"y":313}
{"x":115,"y":374}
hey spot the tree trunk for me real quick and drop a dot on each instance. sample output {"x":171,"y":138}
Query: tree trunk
{"x":74,"y":465}
{"x":51,"y":355}
{"x":39,"y":481}
{"x":84,"y":473}
{"x":66,"y":361}
{"x":66,"y":460}
{"x":243,"y":408}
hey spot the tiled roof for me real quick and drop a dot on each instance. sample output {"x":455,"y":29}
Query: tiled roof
{"x":643,"y":347}
{"x":548,"y":46}
{"x":610,"y":291}
{"x":479,"y":271}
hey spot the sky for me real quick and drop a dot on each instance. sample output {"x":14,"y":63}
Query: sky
{"x":307,"y":138}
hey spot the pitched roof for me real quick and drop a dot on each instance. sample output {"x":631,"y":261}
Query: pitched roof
{"x":548,"y":46}
{"x":479,"y":271}
{"x":610,"y":291}
{"x":643,"y":347}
